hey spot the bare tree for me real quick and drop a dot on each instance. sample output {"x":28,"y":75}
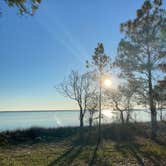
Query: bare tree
{"x":160,"y":97}
{"x":77,"y":87}
{"x":122,"y":100}
{"x":92,"y":107}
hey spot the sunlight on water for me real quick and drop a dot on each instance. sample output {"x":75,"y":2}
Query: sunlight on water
{"x":107,"y":113}
{"x":22,"y":120}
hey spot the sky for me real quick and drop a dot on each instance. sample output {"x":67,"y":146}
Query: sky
{"x":38,"y":52}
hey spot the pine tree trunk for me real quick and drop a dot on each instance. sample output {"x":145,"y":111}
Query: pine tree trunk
{"x":152,"y":108}
{"x":151,"y":98}
{"x":99,"y":138}
{"x":153,"y":122}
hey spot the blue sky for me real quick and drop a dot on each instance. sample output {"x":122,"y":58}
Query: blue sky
{"x":38,"y":52}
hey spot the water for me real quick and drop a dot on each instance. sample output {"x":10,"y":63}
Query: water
{"x":23,"y":120}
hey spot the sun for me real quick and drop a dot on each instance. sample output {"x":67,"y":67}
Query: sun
{"x":107,"y":83}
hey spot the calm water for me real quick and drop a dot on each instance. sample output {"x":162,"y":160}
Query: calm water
{"x":22,"y":120}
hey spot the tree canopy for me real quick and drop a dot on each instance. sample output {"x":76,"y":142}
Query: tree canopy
{"x":24,"y":6}
{"x":142,"y":49}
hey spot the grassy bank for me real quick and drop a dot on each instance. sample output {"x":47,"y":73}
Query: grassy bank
{"x":122,"y":145}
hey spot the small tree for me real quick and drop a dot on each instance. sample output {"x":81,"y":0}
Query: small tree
{"x":92,"y":108}
{"x":162,"y":83}
{"x":160,"y":92}
{"x":160,"y":97}
{"x":100,"y":62}
{"x":122,"y":100}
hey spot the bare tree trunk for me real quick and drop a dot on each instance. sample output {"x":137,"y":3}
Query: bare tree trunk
{"x":122,"y":117}
{"x":161,"y":115}
{"x":90,"y":122}
{"x":81,"y":124}
{"x":81,"y":118}
{"x":90,"y":126}
{"x":128,"y":111}
{"x":128,"y":117}
{"x":161,"y":111}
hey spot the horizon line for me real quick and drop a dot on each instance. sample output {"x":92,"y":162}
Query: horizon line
{"x":39,"y":110}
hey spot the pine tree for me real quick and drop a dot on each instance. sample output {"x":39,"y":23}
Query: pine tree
{"x":100,"y":61}
{"x":142,"y":50}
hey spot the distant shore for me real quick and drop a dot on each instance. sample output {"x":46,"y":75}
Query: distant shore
{"x":40,"y":111}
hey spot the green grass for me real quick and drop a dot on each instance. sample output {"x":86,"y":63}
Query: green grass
{"x":121,"y":146}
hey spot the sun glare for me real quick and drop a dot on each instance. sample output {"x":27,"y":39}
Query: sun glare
{"x":107,"y":83}
{"x":107,"y":113}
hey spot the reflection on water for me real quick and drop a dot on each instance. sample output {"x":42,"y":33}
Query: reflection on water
{"x":137,"y":115}
{"x":21,"y":120}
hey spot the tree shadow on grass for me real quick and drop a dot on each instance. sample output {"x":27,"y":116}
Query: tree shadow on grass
{"x":153,"y":158}
{"x":68,"y":157}
{"x":138,"y":154}
{"x":94,"y":157}
{"x":129,"y":148}
{"x":159,"y":141}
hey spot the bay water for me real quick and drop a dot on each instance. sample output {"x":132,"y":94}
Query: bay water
{"x":25,"y":119}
